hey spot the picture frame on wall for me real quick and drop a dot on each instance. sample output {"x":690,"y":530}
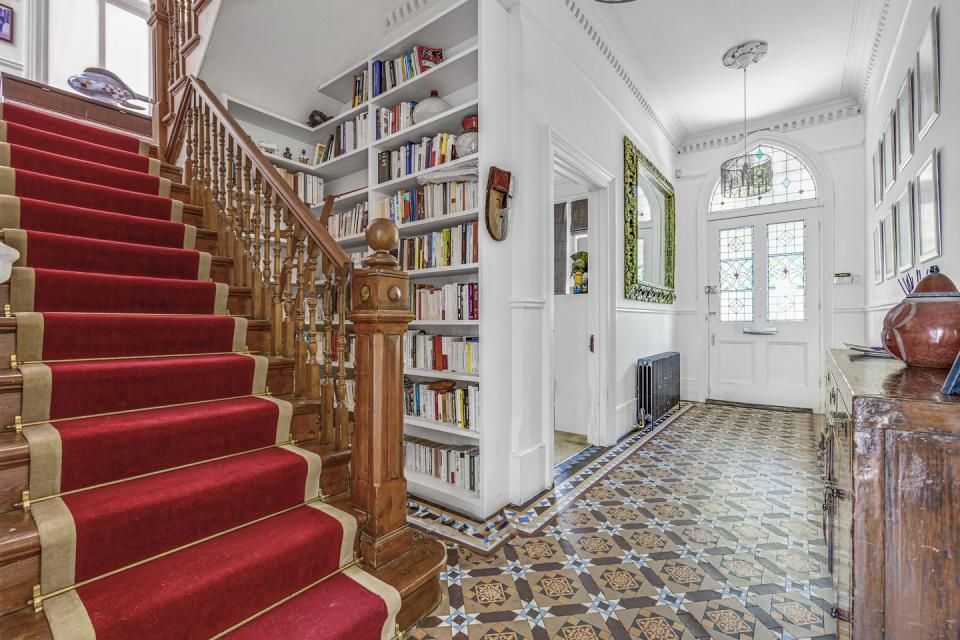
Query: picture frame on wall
{"x":6,"y":23}
{"x":889,"y":245}
{"x":903,"y":214}
{"x":927,"y":187}
{"x":877,"y":255}
{"x":878,"y":174}
{"x":928,"y":77}
{"x":889,"y":153}
{"x":905,"y":136}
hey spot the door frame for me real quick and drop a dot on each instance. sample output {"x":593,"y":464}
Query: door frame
{"x":562,"y":155}
{"x":811,"y":214}
{"x":825,"y":201}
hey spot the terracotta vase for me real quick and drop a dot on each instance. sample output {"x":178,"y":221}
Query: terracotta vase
{"x":924,"y":329}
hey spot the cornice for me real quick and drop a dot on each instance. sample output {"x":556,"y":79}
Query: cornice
{"x":874,"y":50}
{"x":784,"y":123}
{"x":592,"y":32}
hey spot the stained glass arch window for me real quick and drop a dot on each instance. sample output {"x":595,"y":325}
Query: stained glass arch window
{"x":792,"y":182}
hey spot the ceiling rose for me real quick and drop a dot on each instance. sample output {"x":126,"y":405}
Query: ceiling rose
{"x":747,"y":175}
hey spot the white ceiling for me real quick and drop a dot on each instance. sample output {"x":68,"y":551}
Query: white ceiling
{"x":819,"y":50}
{"x":289,"y":48}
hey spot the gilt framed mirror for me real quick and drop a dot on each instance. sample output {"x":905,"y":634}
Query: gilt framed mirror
{"x":649,"y":229}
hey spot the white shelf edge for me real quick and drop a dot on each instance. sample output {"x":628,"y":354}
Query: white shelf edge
{"x":386,"y":186}
{"x":438,"y":222}
{"x":439,"y":272}
{"x":440,"y":427}
{"x":379,"y":99}
{"x":332,"y":161}
{"x":444,"y":323}
{"x":442,"y":375}
{"x":436,"y":490}
{"x":383,"y":142}
{"x":406,"y":34}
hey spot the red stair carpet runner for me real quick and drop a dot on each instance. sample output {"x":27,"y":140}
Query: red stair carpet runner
{"x":170,"y":500}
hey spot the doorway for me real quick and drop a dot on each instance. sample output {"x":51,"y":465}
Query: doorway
{"x":764,"y":308}
{"x":579,"y":358}
{"x":571,"y":321}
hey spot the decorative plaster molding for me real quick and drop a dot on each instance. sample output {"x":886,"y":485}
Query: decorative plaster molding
{"x":593,"y":33}
{"x":874,"y":50}
{"x":405,"y":10}
{"x":824,"y":114}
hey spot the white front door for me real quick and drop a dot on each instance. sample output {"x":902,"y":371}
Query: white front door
{"x":764,"y":317}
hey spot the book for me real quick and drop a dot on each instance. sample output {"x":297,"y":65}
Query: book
{"x":389,"y":73}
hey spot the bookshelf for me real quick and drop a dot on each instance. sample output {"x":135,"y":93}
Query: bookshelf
{"x":457,"y":80}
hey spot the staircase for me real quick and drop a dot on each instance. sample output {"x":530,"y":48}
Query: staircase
{"x":159,"y":476}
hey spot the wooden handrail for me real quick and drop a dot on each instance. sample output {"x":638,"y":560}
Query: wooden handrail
{"x":328,"y":245}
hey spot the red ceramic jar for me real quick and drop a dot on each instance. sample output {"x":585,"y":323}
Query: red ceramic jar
{"x":924,"y":329}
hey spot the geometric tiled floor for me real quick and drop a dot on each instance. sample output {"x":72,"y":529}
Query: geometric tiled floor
{"x":710,"y":530}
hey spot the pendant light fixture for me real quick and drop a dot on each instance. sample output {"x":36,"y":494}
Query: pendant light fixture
{"x":750,"y":175}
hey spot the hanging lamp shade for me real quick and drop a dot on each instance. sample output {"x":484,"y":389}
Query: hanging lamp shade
{"x":746,"y":176}
{"x":751,"y":174}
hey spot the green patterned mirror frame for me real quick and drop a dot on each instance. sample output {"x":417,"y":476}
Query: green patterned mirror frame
{"x":633,"y":287}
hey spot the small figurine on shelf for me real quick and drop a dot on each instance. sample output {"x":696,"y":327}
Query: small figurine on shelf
{"x":579,"y":268}
{"x":468,"y":141}
{"x":287,"y":153}
{"x":303,"y":157}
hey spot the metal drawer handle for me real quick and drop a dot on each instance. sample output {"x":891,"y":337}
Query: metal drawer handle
{"x":772,"y":331}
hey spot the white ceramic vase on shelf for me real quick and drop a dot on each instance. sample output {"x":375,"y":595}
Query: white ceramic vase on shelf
{"x":468,"y":142}
{"x":429,"y":107}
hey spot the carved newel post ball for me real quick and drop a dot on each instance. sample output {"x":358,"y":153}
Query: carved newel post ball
{"x":382,"y":235}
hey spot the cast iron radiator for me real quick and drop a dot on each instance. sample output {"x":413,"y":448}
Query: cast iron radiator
{"x":658,"y":386}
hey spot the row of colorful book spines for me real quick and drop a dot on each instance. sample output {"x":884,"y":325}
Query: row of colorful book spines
{"x":395,"y":119}
{"x":345,"y":138}
{"x":461,"y":300}
{"x":427,"y":254}
{"x":410,"y":206}
{"x":359,"y":88}
{"x":456,"y":406}
{"x":458,"y":466}
{"x":390,"y":73}
{"x":413,"y":157}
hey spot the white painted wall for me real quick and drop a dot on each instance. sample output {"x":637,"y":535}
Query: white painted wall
{"x":570,"y":336}
{"x":835,"y":150}
{"x":908,"y":21}
{"x":561,"y":80}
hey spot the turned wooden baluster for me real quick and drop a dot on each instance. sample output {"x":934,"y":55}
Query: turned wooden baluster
{"x":342,"y":416}
{"x":256,"y":282}
{"x":196,"y":189}
{"x":276,"y":319}
{"x":266,"y":294}
{"x":223,"y":222}
{"x":189,"y":163}
{"x":227,"y":244}
{"x":312,"y":379}
{"x":178,"y":32}
{"x":287,"y":292}
{"x":211,"y":214}
{"x":172,"y":54}
{"x":300,"y":353}
{"x":328,"y":433}
{"x":207,"y":166}
{"x":380,"y":318}
{"x":245,"y":215}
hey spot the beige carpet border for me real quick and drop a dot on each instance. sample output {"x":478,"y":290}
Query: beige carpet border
{"x":176,"y":211}
{"x":58,"y":544}
{"x":239,"y":334}
{"x":388,"y":594}
{"x":349,"y":525}
{"x":311,"y":487}
{"x":189,"y":236}
{"x":46,"y":459}
{"x":68,"y":617}
{"x":23,"y":282}
{"x":9,"y":212}
{"x":29,"y":336}
{"x":37,"y":390}
{"x":283,"y":419}
{"x":220,"y":299}
{"x":17,"y":239}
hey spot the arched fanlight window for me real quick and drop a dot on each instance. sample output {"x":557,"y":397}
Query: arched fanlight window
{"x":792,"y":181}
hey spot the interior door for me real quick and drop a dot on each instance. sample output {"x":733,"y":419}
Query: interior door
{"x":763,"y":309}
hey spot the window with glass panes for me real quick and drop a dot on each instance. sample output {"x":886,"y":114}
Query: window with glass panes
{"x":792,"y":182}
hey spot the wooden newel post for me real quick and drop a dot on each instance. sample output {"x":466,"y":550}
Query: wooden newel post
{"x":159,"y":24}
{"x":380,"y":317}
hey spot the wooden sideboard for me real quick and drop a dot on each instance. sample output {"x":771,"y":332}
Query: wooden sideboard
{"x":891,"y":453}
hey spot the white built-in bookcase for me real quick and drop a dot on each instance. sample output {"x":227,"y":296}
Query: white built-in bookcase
{"x":457,"y":80}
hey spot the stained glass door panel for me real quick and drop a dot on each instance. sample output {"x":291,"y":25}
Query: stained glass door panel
{"x":763,"y":330}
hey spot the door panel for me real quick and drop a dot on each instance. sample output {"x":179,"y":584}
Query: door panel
{"x":764,"y":315}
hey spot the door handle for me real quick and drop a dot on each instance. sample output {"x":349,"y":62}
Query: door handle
{"x":750,"y":331}
{"x":591,"y":344}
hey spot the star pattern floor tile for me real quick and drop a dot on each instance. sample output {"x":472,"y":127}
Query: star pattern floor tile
{"x":709,"y":528}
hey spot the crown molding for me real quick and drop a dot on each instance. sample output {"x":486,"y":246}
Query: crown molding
{"x":631,"y":79}
{"x":884,"y":13}
{"x":783,"y":123}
